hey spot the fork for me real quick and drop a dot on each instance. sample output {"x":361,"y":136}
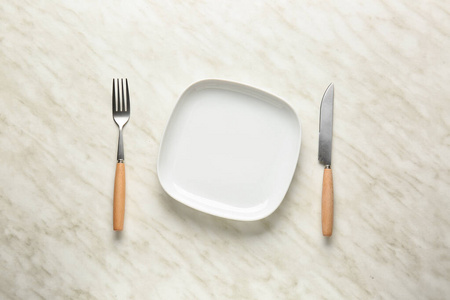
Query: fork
{"x":121,"y":115}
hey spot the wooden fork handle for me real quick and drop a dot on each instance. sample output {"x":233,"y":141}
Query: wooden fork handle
{"x":119,"y":197}
{"x":327,"y":202}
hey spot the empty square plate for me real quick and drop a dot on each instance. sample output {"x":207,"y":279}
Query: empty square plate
{"x":229,"y":150}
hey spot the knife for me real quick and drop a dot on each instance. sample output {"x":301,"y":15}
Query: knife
{"x":325,"y":138}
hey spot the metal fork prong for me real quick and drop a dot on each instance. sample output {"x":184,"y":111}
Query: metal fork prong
{"x":114,"y":96}
{"x":128,"y":96}
{"x":122,"y":108}
{"x":116,"y":92}
{"x":119,"y":101}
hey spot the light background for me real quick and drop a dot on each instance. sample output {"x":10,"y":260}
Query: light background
{"x":389,"y":61}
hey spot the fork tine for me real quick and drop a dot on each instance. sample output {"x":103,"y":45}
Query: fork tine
{"x":119,"y":101}
{"x":114,"y":96}
{"x":117,"y":95}
{"x":128,"y":96}
{"x":122,"y":107}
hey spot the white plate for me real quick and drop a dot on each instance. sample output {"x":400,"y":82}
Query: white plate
{"x":229,"y":150}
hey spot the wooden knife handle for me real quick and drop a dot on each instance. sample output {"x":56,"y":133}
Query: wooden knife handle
{"x":119,"y":197}
{"x":327,"y":202}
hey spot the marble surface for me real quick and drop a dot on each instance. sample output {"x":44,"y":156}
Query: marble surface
{"x":389,"y":61}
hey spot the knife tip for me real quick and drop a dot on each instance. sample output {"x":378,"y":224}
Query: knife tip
{"x":330,"y":88}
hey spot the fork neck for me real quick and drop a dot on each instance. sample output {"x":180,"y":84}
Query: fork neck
{"x":120,"y":152}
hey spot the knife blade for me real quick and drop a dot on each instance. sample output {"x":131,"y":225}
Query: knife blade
{"x":325,"y":142}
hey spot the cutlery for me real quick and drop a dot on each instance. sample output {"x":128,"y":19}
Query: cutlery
{"x":325,"y":138}
{"x":121,"y":115}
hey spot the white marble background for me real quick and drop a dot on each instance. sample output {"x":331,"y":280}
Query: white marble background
{"x":389,"y":61}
